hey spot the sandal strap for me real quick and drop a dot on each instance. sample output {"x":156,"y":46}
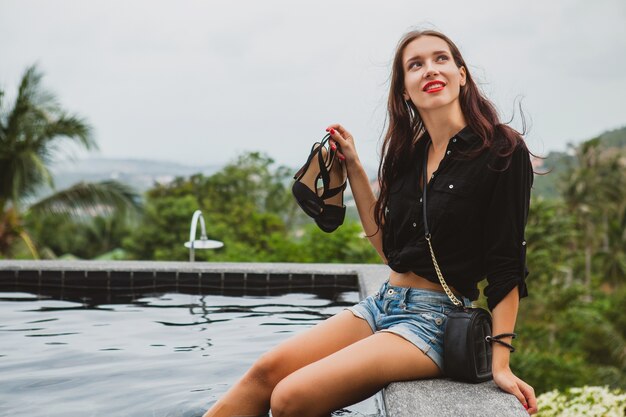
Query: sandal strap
{"x":333,"y":191}
{"x":324,"y":167}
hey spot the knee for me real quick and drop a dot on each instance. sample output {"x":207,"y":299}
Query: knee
{"x":265,"y":371}
{"x":286,"y":401}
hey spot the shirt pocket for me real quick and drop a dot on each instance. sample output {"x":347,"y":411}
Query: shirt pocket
{"x":453,"y":199}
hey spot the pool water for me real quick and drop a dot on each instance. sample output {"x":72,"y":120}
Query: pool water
{"x":161,"y":355}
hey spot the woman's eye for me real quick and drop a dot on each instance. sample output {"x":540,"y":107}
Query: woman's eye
{"x":412,"y":64}
{"x":443,"y":56}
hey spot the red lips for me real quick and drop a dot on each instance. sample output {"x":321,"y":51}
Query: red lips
{"x":429,"y":83}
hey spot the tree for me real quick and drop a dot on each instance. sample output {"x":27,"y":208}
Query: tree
{"x":33,"y":132}
{"x":593,"y":189}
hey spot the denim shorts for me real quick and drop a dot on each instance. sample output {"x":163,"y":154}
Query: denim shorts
{"x":416,"y":314}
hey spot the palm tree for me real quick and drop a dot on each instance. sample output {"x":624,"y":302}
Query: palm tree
{"x":32,"y":134}
{"x":593,"y":190}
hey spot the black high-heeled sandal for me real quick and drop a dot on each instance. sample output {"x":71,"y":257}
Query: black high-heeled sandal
{"x":305,"y":189}
{"x":334,"y":211}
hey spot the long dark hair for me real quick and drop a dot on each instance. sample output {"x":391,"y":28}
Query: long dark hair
{"x":405,"y":125}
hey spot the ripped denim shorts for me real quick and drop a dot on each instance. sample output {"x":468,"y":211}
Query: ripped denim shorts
{"x":416,"y":314}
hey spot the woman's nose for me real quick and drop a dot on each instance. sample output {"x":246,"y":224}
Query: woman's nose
{"x":429,"y":69}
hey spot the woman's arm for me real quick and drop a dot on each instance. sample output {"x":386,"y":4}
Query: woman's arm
{"x":504,"y":316}
{"x":360,"y":186}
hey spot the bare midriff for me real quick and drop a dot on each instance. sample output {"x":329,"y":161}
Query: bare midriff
{"x":412,"y":280}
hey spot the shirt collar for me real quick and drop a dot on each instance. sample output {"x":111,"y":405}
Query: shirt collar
{"x":467,"y":135}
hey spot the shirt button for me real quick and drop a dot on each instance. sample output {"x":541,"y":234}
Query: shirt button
{"x":451,"y":186}
{"x":420,"y":199}
{"x":454,"y":140}
{"x":438,"y":320}
{"x":448,"y":153}
{"x":414,"y":224}
{"x":524,"y":243}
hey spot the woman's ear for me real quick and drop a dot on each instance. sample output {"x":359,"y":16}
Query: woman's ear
{"x":405,"y":96}
{"x":463,"y":76}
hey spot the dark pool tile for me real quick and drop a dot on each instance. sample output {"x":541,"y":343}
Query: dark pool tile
{"x":143,"y":281}
{"x":256,"y":281}
{"x":51,"y":279}
{"x":98,"y":280}
{"x":301,"y":279}
{"x":165,"y":281}
{"x":8,"y":279}
{"x":120,"y":280}
{"x":75,"y":279}
{"x":28,"y":277}
{"x":189,"y":282}
{"x":234,"y":280}
{"x":280,"y":280}
{"x":211,"y":280}
{"x":350,"y":281}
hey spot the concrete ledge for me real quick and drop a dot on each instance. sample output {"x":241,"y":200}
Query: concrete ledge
{"x":446,"y":398}
{"x":424,"y":398}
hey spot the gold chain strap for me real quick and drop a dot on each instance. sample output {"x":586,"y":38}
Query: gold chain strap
{"x":452,"y":297}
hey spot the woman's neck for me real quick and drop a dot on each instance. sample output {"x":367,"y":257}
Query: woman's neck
{"x":441,"y":124}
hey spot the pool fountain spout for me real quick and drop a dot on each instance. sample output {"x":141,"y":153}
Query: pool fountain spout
{"x":203,"y":242}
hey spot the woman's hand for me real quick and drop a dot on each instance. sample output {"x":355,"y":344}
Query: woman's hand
{"x":345,"y":141}
{"x":508,"y":382}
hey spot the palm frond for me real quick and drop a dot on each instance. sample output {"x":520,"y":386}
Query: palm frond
{"x":29,"y":244}
{"x":85,"y":200}
{"x":32,"y":133}
{"x":70,"y":126}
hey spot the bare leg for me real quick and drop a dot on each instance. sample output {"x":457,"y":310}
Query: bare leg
{"x":350,"y":375}
{"x":250,"y":396}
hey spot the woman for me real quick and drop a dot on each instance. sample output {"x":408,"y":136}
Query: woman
{"x":480,"y":175}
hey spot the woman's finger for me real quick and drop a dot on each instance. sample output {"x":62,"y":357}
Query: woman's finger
{"x":529,"y":394}
{"x":514,"y":389}
{"x":336,"y":136}
{"x":340,"y":129}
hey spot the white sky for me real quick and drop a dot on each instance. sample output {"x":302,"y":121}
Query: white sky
{"x":199,"y":82}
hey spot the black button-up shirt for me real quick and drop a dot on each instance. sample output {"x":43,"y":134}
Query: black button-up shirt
{"x":476,"y":212}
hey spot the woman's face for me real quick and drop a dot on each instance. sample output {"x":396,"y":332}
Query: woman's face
{"x":431,"y":78}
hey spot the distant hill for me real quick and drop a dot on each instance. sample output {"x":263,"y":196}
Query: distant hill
{"x":556,"y":163}
{"x":143,"y":174}
{"x":614,"y":138}
{"x":139,"y":174}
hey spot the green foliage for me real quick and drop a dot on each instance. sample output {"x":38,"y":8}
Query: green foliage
{"x":247,"y":205}
{"x":163,"y":229}
{"x":572,"y":330}
{"x":344,"y":245}
{"x":88,"y":238}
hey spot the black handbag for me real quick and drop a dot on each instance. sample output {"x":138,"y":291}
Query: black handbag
{"x":467,"y":336}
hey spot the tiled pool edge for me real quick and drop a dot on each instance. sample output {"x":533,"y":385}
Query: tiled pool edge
{"x":403,"y":399}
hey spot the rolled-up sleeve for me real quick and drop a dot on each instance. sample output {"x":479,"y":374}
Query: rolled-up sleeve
{"x":505,"y":244}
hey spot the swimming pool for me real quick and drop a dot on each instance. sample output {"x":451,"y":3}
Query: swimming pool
{"x":141,"y":345}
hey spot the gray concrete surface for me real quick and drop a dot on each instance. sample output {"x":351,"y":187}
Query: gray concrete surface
{"x":443,"y":398}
